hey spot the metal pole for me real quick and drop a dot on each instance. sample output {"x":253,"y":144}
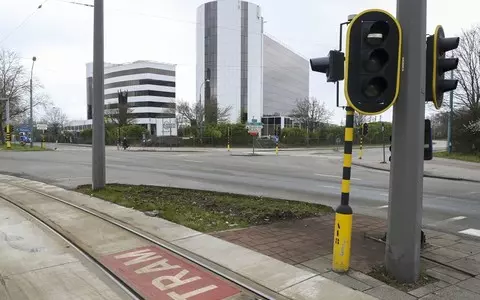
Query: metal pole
{"x":9,"y":134}
{"x":450,"y":120}
{"x":402,"y":253}
{"x":383,"y":142}
{"x":31,"y":102}
{"x":98,"y":145}
{"x":344,"y":213}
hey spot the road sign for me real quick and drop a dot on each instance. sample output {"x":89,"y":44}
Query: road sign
{"x":42,"y":126}
{"x":254,"y":126}
{"x":25,"y":129}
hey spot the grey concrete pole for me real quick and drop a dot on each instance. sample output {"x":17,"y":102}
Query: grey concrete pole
{"x":98,"y":122}
{"x":31,"y":103}
{"x":402,"y":253}
{"x":450,"y":120}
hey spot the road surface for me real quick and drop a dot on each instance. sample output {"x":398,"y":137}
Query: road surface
{"x":312,"y":176}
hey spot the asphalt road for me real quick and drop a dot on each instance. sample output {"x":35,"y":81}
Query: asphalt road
{"x":312,"y":176}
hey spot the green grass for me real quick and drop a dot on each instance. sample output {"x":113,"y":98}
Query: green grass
{"x":458,"y":156}
{"x":206,"y":211}
{"x":18,"y":147}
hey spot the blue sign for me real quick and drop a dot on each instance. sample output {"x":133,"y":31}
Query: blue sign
{"x":24,"y":129}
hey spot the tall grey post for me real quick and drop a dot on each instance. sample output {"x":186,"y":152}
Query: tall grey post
{"x":98,"y":142}
{"x":450,"y":120}
{"x":31,"y":103}
{"x":402,"y":253}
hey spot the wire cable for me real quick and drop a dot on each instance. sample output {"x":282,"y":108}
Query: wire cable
{"x":22,"y":23}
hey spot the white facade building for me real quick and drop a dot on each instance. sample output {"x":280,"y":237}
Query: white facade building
{"x":230,"y":55}
{"x":251,"y":72}
{"x":151,"y":93}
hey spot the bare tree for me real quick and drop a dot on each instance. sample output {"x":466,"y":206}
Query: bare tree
{"x":121,"y":115}
{"x":359,"y":119}
{"x":15,"y":85}
{"x":195,"y":112}
{"x":310,"y":112}
{"x":56,"y":120}
{"x":468,"y":71}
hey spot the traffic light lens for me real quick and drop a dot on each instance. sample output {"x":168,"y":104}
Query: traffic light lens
{"x":375,"y":87}
{"x":377,"y":59}
{"x":378,"y":33}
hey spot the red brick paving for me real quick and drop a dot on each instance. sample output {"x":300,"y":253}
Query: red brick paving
{"x":299,"y":241}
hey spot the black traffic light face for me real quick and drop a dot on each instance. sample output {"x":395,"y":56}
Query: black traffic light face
{"x":438,"y":64}
{"x":365,"y":129}
{"x":373,"y":61}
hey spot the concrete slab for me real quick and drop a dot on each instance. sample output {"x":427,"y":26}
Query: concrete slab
{"x":467,"y":264}
{"x":365,"y":278}
{"x":386,"y":292}
{"x":441,"y":242}
{"x":351,"y":283}
{"x":441,"y":276}
{"x":450,"y":293}
{"x":466,"y":248}
{"x":424,"y":290}
{"x":269,"y":272}
{"x":320,"y":264}
{"x":67,"y":281}
{"x":472,"y":284}
{"x":452,"y":273}
{"x":449,"y":253}
{"x":320,"y":288}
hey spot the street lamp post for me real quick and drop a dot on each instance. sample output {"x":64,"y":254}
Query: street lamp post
{"x":7,"y":113}
{"x":200,"y":103}
{"x":31,"y":102}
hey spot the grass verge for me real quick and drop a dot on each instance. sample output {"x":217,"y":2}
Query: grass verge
{"x":206,"y":211}
{"x":18,"y":147}
{"x":458,"y":156}
{"x":380,"y":273}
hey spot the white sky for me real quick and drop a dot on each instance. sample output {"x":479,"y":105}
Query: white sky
{"x":61,"y":36}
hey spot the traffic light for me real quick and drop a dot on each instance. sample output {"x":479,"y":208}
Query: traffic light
{"x":333,"y":65}
{"x":428,"y":145}
{"x":438,"y":64}
{"x":122,"y":107}
{"x":373,"y":62}
{"x":365,"y":129}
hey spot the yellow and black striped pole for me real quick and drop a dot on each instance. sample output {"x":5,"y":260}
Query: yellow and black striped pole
{"x":9,"y":137}
{"x":343,"y":213}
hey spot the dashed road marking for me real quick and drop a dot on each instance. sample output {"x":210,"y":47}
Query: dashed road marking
{"x":195,"y":161}
{"x":471,"y":231}
{"x":334,"y":176}
{"x":449,"y":220}
{"x":329,"y":187}
{"x":382,"y":207}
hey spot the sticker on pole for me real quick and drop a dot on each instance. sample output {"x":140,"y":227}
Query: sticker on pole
{"x":254,"y":127}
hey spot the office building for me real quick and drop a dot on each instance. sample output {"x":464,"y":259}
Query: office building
{"x":150,"y":89}
{"x":239,"y":66}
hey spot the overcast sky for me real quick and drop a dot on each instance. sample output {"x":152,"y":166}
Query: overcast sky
{"x":61,"y":36}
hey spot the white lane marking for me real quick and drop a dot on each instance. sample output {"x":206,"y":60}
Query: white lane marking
{"x":330,"y":187}
{"x":443,"y":222}
{"x":334,"y":176}
{"x":195,"y":161}
{"x":383,"y":206}
{"x":384,"y":194}
{"x":471,"y":231}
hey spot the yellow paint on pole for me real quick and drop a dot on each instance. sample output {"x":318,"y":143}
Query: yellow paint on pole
{"x":342,"y":241}
{"x":9,"y":137}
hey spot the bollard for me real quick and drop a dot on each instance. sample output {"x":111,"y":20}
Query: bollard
{"x":343,"y":214}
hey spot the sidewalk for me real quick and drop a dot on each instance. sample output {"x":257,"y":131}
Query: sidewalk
{"x":256,"y":270}
{"x":441,"y":168}
{"x":452,"y":261}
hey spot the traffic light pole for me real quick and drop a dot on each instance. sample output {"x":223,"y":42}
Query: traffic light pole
{"x":98,"y":122}
{"x":450,"y":120}
{"x":402,"y":255}
{"x":343,"y":213}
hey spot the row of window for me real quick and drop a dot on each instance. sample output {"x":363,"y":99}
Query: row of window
{"x":143,"y":93}
{"x":139,"y":71}
{"x":148,"y":115}
{"x":139,"y":82}
{"x":143,"y":104}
